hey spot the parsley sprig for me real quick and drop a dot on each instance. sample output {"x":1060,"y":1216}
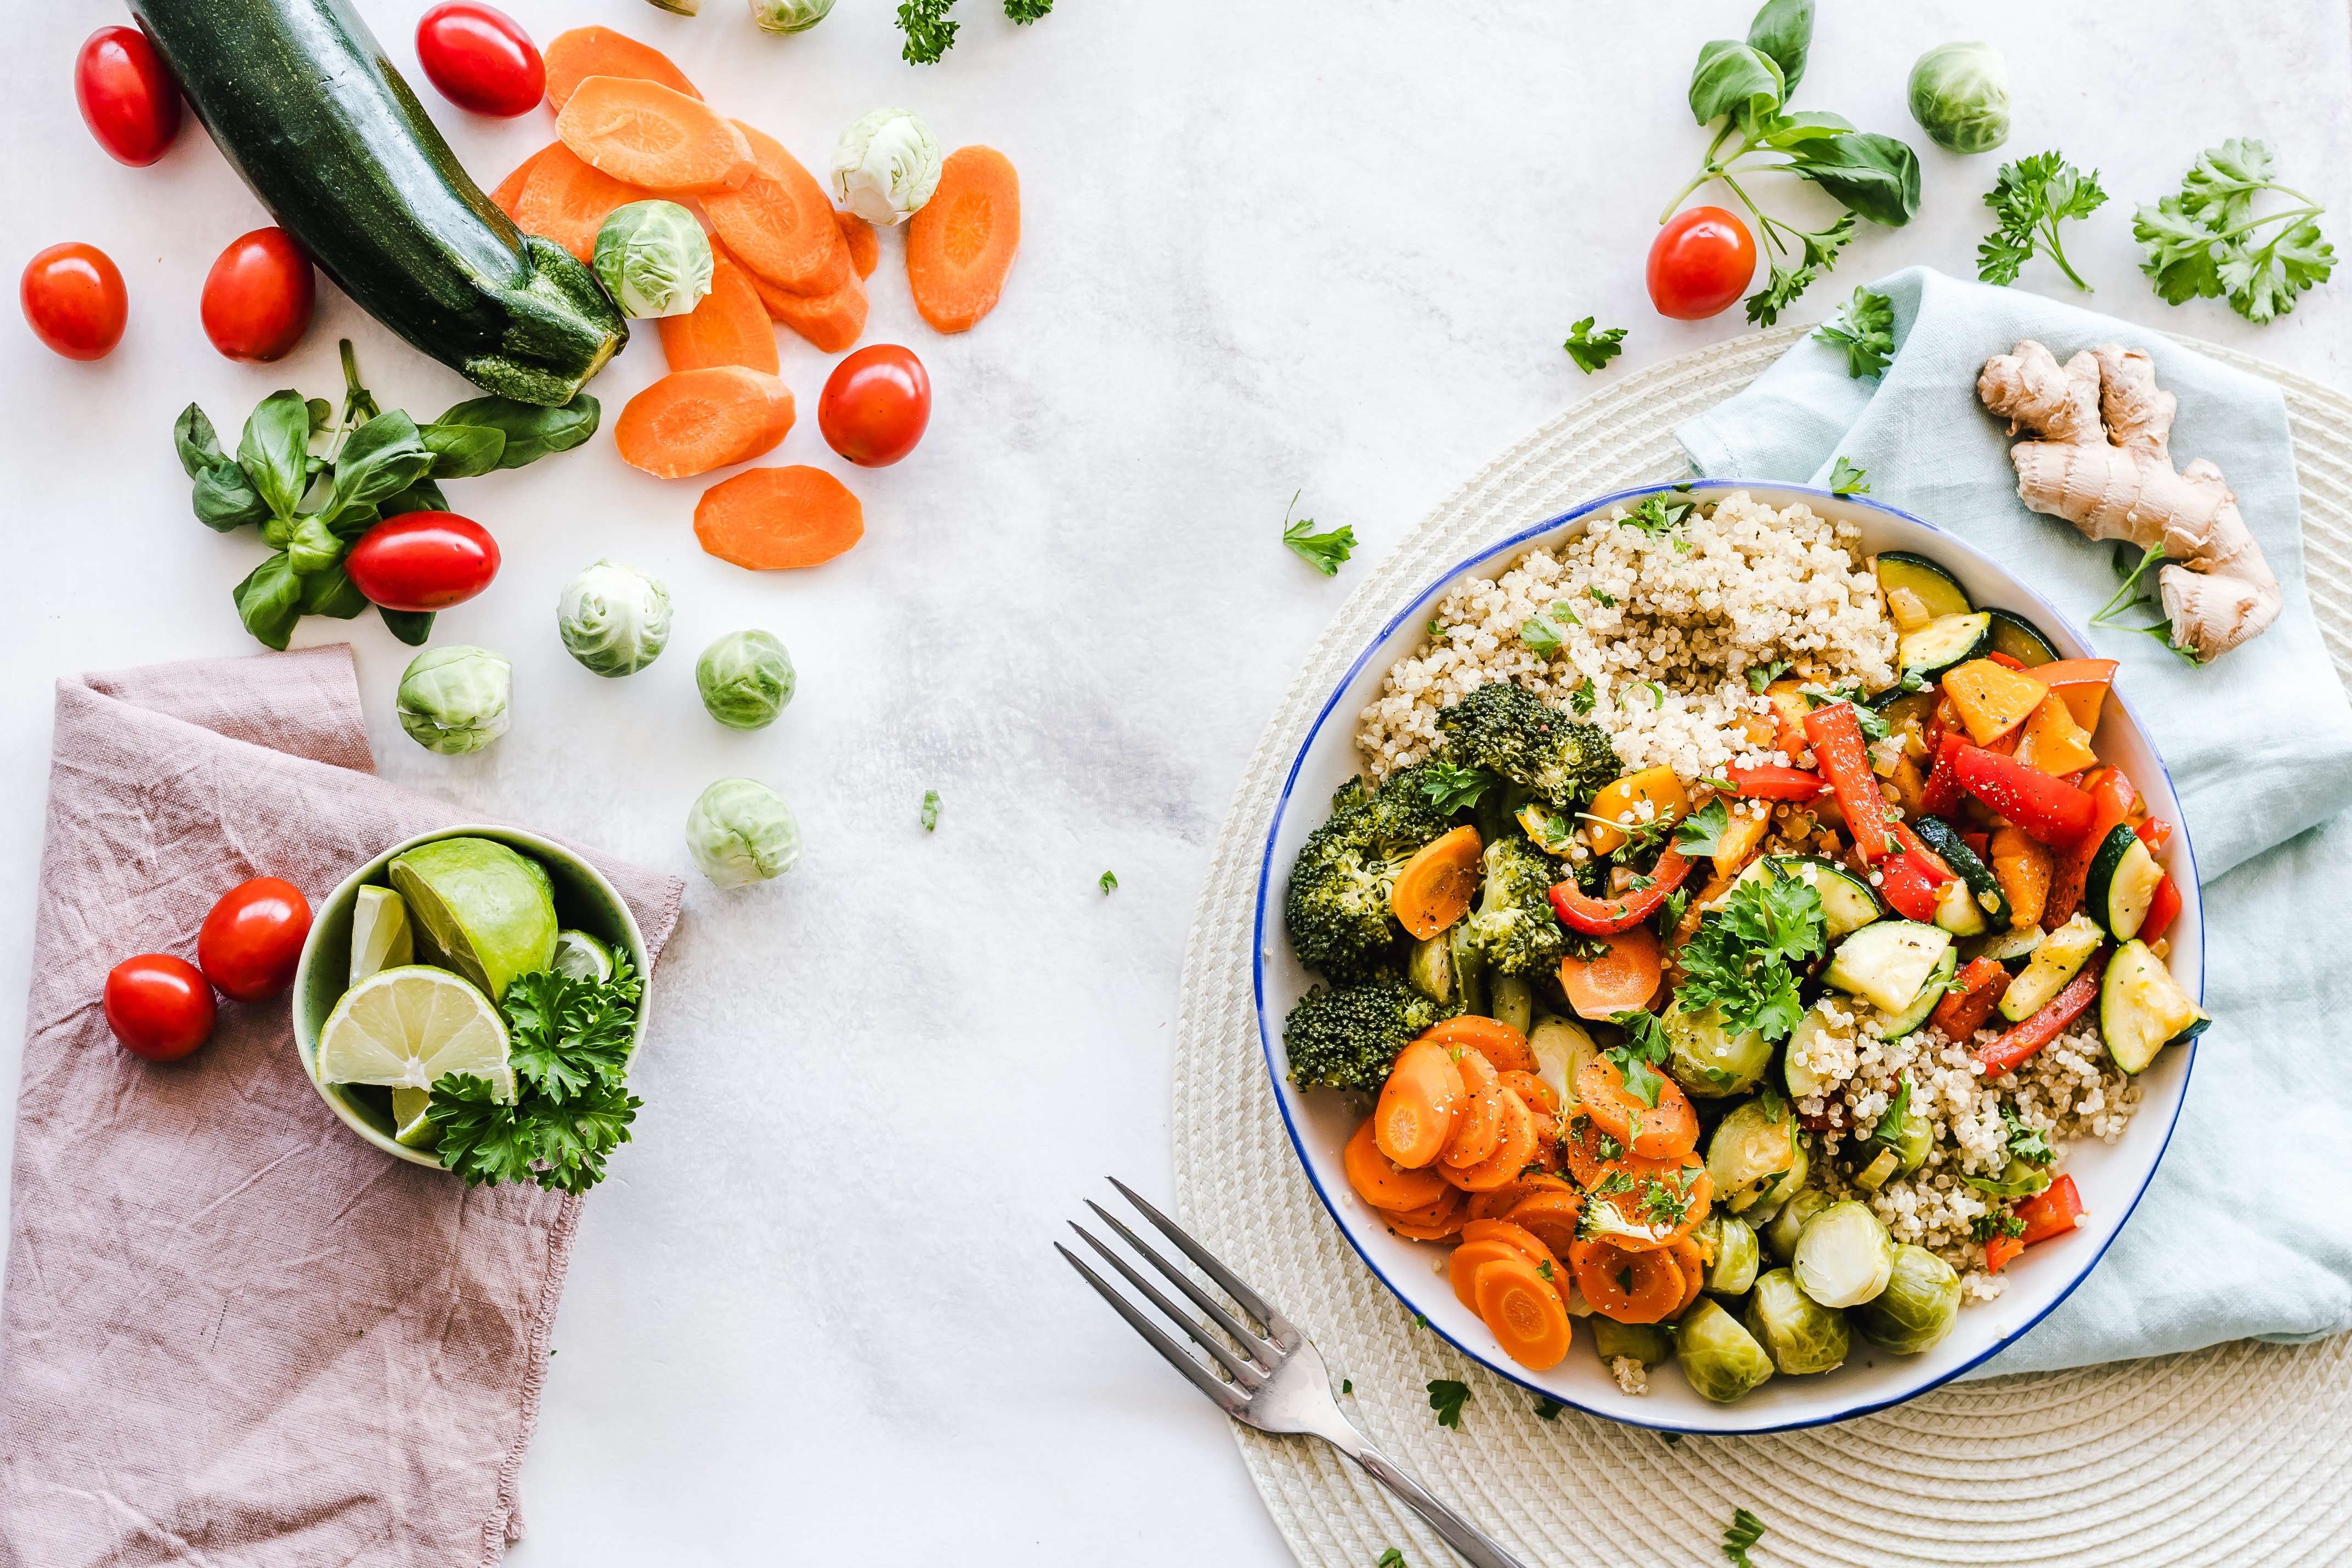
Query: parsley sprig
{"x":2206,"y":243}
{"x":1451,"y":788}
{"x":1326,"y":552}
{"x":1445,"y":1397}
{"x":1864,"y":328}
{"x":1592,"y":350}
{"x":1739,"y":958}
{"x":1647,"y":1049}
{"x":2030,"y":198}
{"x":1746,"y":1531}
{"x":1846,"y":479}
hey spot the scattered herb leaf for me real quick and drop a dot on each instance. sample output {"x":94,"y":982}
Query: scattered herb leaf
{"x":930,"y":814}
{"x":1324,"y":551}
{"x":2030,"y":198}
{"x":2206,"y":243}
{"x":1745,"y":1531}
{"x":1846,"y":479}
{"x":1451,"y":788}
{"x":1592,"y":350}
{"x":1107,"y":882}
{"x":1864,"y":328}
{"x":1445,"y":1397}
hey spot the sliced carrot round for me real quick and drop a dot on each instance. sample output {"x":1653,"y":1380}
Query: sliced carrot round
{"x":1686,"y":1258}
{"x":1533,"y":1090}
{"x":1496,"y":1203}
{"x":772,"y":519}
{"x":1444,"y":1230}
{"x":1518,"y":1235}
{"x":509,"y":189}
{"x":1448,"y":1208}
{"x":1550,"y":1217}
{"x":1496,"y":1041}
{"x":574,"y":56}
{"x":1480,"y":1130}
{"x":564,"y":200}
{"x":1463,"y":1264}
{"x":1382,"y":1183}
{"x":1631,"y":1287}
{"x":1434,"y":888}
{"x":1667,"y":1130}
{"x":1420,"y":1105}
{"x":691,"y":421}
{"x":656,"y":138}
{"x":780,"y":224}
{"x":864,"y":248}
{"x":831,"y":322}
{"x":1511,"y":1157}
{"x":960,"y":244}
{"x":1623,"y":977}
{"x":1524,"y":1310}
{"x":728,"y":325}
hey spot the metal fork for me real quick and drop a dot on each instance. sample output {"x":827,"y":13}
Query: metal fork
{"x":1277,"y":1384}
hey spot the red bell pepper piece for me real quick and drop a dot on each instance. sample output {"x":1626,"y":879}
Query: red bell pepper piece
{"x":1978,"y":843}
{"x":2155,"y":832}
{"x":1975,"y":991}
{"x":2006,"y":661}
{"x":1917,"y":848}
{"x":1999,"y":1250}
{"x":2163,"y":907}
{"x":2111,"y":795}
{"x":1772,"y":782}
{"x":1908,"y":888}
{"x":2056,"y":1211}
{"x":2017,"y":1047}
{"x":1941,"y":796}
{"x":2049,"y":809}
{"x":1836,"y":736}
{"x":1607,"y":917}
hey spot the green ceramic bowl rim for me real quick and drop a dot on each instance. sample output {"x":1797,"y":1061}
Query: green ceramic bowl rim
{"x":306,"y":1037}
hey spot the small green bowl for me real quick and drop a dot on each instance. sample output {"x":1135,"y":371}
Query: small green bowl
{"x":584,"y":901}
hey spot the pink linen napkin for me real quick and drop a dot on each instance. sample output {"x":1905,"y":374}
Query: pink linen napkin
{"x":233,"y":1331}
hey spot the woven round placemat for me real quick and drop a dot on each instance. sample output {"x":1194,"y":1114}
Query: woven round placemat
{"x":2238,"y":1454}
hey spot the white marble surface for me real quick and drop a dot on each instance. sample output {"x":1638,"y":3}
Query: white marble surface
{"x":1270,"y":244}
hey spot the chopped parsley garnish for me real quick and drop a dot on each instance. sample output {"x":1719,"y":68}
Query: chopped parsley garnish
{"x":1453,"y":788}
{"x":1745,"y":1531}
{"x":2000,"y":1222}
{"x":1592,"y":350}
{"x":1625,"y":1280}
{"x":1656,"y":517}
{"x":1762,"y":675}
{"x":1846,"y":479}
{"x":1548,"y":1409}
{"x":2025,"y":1143}
{"x":1739,"y":958}
{"x":931,"y":813}
{"x":1109,"y":882}
{"x":1645,"y":1047}
{"x":1581,"y":698}
{"x":1888,"y":1132}
{"x":1445,"y":1397}
{"x":1435,"y":629}
{"x":1325,"y":551}
{"x":1658,"y":695}
{"x":1544,"y":1268}
{"x":1391,"y":1558}
{"x":1603,"y":599}
{"x":1347,"y":1385}
{"x":1542,"y":635}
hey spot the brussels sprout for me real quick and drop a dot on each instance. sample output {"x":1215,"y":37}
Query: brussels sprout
{"x":1561,"y":1047}
{"x":456,"y":700}
{"x":1780,"y":1235}
{"x":746,"y":679}
{"x":790,"y":15}
{"x":1753,"y":1150}
{"x":1645,"y":1343}
{"x":1429,"y":967}
{"x":1708,"y":1060}
{"x":741,"y":831}
{"x":1918,"y":1307}
{"x":886,"y":166}
{"x":1802,"y":1335}
{"x":1960,"y":96}
{"x":1513,"y":1001}
{"x":614,"y":619}
{"x":1719,"y":1359}
{"x":654,"y":259}
{"x":1911,"y":1145}
{"x":1817,"y":1046}
{"x":1843,"y":1255}
{"x":1733,"y":1271}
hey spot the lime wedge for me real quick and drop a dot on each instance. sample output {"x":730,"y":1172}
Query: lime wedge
{"x":381,"y":935}
{"x":409,"y":1125}
{"x":581,"y":956}
{"x":405,"y":1028}
{"x":482,"y":906}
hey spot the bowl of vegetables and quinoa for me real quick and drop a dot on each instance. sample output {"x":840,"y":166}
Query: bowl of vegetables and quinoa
{"x":1728,"y":957}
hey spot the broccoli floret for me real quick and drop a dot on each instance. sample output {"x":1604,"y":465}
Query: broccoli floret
{"x":1336,"y":906}
{"x":1349,"y":1037}
{"x":1514,"y":924}
{"x":1511,"y":731}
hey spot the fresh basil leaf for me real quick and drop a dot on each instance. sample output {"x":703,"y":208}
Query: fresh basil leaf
{"x":269,"y":600}
{"x":424,"y":495}
{"x":331,"y":591}
{"x":273,"y":448}
{"x":349,"y":525}
{"x":1873,"y":175}
{"x":531,"y":432}
{"x":411,"y":626}
{"x":198,"y":444}
{"x":1789,"y":132}
{"x":1783,"y":32}
{"x":380,"y":459}
{"x":463,"y":451}
{"x":1733,"y":78}
{"x":313,"y":546}
{"x":224,"y":498}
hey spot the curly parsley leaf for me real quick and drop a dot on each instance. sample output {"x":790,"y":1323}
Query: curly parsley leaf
{"x":1846,"y":479}
{"x":1109,"y":882}
{"x":1700,"y":832}
{"x":1451,"y":788}
{"x":1582,"y":699}
{"x":1999,"y":1222}
{"x":1746,"y":1531}
{"x":2030,"y":198}
{"x":1657,"y":518}
{"x":930,"y":33}
{"x":1740,"y":958}
{"x":1645,"y":1049}
{"x":1445,"y":1397}
{"x":1542,"y":634}
{"x":1592,"y":350}
{"x":1326,"y":552}
{"x":1391,"y":1558}
{"x":1027,"y":11}
{"x":2026,"y":1143}
{"x":1864,"y":328}
{"x":1762,"y":675}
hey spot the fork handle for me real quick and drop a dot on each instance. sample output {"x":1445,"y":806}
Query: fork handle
{"x":1476,"y":1547}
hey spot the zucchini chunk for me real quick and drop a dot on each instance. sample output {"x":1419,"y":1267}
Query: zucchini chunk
{"x":1848,"y":903}
{"x":2142,"y":1008}
{"x":2121,"y":883}
{"x":1945,"y":641}
{"x":2053,"y":963}
{"x":1945,"y":839}
{"x":1897,"y":1025}
{"x":1937,"y":590}
{"x":1888,"y":964}
{"x":1957,"y":911}
{"x":2007,"y":946}
{"x":2021,"y":640}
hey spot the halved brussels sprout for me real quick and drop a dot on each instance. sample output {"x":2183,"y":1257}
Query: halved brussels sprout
{"x":1960,"y":96}
{"x":1911,"y":1147}
{"x":2017,"y":1179}
{"x":1845,"y":1256}
{"x":1513,"y":1001}
{"x":886,"y":166}
{"x":1736,"y":1256}
{"x":1719,"y":1359}
{"x":1708,"y":1059}
{"x":1645,"y":1343}
{"x":1802,"y":1335}
{"x":1561,"y":1048}
{"x":1781,"y":1235}
{"x":1429,"y":968}
{"x":1754,"y":1150}
{"x":1918,"y":1307}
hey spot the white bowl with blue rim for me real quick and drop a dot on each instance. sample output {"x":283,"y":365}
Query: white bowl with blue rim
{"x":2110,"y":1177}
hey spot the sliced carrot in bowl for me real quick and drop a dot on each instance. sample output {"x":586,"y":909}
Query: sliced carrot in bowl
{"x":1524,"y":1310}
{"x":1382,"y":1183}
{"x":1434,"y":888}
{"x":1420,"y":1105}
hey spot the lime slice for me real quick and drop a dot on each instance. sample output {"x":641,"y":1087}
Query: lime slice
{"x":409,"y":1125}
{"x":581,"y":956}
{"x":381,"y":937}
{"x":405,"y":1028}
{"x":483,"y":907}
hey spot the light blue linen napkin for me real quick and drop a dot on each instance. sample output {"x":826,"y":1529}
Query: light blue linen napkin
{"x":2243,"y":1230}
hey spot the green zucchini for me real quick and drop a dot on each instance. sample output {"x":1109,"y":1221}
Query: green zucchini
{"x":1939,"y":592}
{"x":1945,"y":839}
{"x":2054,"y":962}
{"x":2142,"y":1008}
{"x":2021,"y":640}
{"x":1895,"y":1025}
{"x":1848,"y":903}
{"x":306,"y":106}
{"x":1958,"y":912}
{"x":1888,"y":964}
{"x":1945,"y":641}
{"x":2009,"y":946}
{"x":2121,"y":883}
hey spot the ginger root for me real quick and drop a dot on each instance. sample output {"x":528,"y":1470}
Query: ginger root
{"x":2101,"y":462}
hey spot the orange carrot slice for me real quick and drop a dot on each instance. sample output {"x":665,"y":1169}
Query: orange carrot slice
{"x":1421,"y":1105}
{"x":654,"y":137}
{"x":691,"y":421}
{"x":1631,"y":1287}
{"x":1620,"y":979}
{"x":1529,"y":1245}
{"x":960,"y":244}
{"x":1666,"y":1131}
{"x":1480,"y":1128}
{"x":865,"y":246}
{"x":780,"y":222}
{"x":1434,"y":888}
{"x":567,"y":202}
{"x":774,"y":519}
{"x":574,"y":56}
{"x":1437,"y":1222}
{"x":1511,"y":1156}
{"x":1382,"y":1183}
{"x":1523,"y":1310}
{"x":729,"y":327}
{"x":1533,"y":1090}
{"x":1496,"y":1202}
{"x":1462,"y":1265}
{"x":1550,"y":1217}
{"x":831,"y":322}
{"x":1686,"y":1257}
{"x":510,"y":192}
{"x":1498,"y":1041}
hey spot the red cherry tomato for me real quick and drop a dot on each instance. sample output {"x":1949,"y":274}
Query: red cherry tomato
{"x":423,"y":561}
{"x":159,"y":1006}
{"x":74,"y":300}
{"x":128,"y":100}
{"x":877,"y":405}
{"x":253,"y":939}
{"x":258,"y":297}
{"x":480,"y":59}
{"x":1700,"y":261}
